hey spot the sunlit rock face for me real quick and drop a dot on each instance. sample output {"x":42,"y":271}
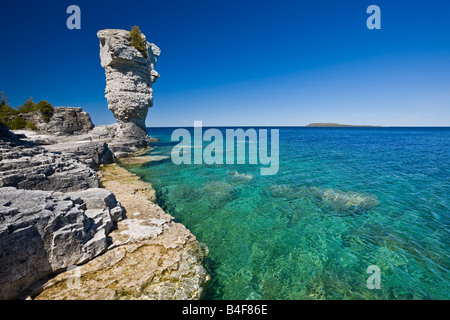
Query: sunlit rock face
{"x":130,"y":74}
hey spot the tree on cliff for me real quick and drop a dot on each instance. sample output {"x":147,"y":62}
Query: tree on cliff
{"x":3,"y":99}
{"x":138,"y":41}
{"x":28,"y":106}
{"x":9,"y":116}
{"x":45,"y":108}
{"x":13,"y":118}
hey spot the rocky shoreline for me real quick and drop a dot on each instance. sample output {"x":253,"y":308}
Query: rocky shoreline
{"x":63,"y":235}
{"x":57,"y":213}
{"x":150,"y":257}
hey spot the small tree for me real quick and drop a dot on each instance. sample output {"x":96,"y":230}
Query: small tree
{"x":3,"y":99}
{"x":12,"y":118}
{"x":17,"y":123}
{"x":46,"y":110}
{"x":137,"y":41}
{"x":6,"y":112}
{"x":28,"y":106}
{"x":30,"y":126}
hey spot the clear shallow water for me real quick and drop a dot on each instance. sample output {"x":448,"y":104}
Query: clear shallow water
{"x":300,"y":234}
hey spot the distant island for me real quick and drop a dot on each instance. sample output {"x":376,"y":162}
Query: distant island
{"x":338,"y":125}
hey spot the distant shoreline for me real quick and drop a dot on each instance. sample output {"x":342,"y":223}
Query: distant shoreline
{"x":337,"y":125}
{"x":307,"y":126}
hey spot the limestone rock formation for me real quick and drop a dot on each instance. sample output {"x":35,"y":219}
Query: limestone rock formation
{"x":53,"y":216}
{"x":151,"y":256}
{"x":64,"y":121}
{"x":129,"y":78}
{"x":89,"y":148}
{"x":91,"y":153}
{"x":44,"y":231}
{"x":34,"y":168}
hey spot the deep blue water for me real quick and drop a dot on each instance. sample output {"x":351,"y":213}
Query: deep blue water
{"x":343,"y":199}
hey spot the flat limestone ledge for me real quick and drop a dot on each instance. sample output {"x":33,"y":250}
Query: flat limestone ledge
{"x":151,"y":256}
{"x":142,"y":157}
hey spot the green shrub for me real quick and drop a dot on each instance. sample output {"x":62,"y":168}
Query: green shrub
{"x":30,"y":126}
{"x":3,"y":99}
{"x":17,"y":123}
{"x":12,"y":118}
{"x":46,"y":110}
{"x":138,"y":41}
{"x":43,"y":106}
{"x":7,"y":113}
{"x":28,"y":106}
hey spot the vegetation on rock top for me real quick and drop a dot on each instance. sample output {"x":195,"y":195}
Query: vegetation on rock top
{"x":13,"y":119}
{"x":137,"y":41}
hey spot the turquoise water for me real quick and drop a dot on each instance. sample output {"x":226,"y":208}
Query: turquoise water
{"x":343,"y":199}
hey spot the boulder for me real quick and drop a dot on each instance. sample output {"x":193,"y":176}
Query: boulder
{"x":151,"y":256}
{"x":7,"y":138}
{"x":42,"y":232}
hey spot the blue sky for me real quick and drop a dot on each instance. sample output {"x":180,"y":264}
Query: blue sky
{"x":242,"y":63}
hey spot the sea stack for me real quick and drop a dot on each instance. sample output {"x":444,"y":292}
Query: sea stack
{"x":130,"y":73}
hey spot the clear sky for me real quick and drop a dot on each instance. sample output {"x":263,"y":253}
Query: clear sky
{"x":242,"y":63}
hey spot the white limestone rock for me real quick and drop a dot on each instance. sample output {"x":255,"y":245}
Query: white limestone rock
{"x":129,"y":78}
{"x":42,"y":232}
{"x":63,"y":121}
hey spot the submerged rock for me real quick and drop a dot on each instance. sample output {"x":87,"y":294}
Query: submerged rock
{"x":218,"y":194}
{"x":235,"y":175}
{"x":341,"y":200}
{"x":345,"y":201}
{"x":287,"y":192}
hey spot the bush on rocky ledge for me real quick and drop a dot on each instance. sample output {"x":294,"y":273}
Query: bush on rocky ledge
{"x":46,"y":110}
{"x":138,"y":41}
{"x":43,"y":106}
{"x":13,"y":119}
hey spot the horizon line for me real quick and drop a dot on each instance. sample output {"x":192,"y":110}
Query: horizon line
{"x":304,"y":126}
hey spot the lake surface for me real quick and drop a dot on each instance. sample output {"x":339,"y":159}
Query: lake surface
{"x":342,"y":200}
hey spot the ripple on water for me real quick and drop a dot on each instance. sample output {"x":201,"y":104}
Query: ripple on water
{"x":342,"y":200}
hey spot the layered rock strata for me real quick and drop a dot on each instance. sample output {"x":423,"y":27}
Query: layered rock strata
{"x":52,"y":213}
{"x":53,"y":217}
{"x":33,"y":168}
{"x":151,"y":256}
{"x":130,"y":74}
{"x":63,"y":121}
{"x":42,"y":232}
